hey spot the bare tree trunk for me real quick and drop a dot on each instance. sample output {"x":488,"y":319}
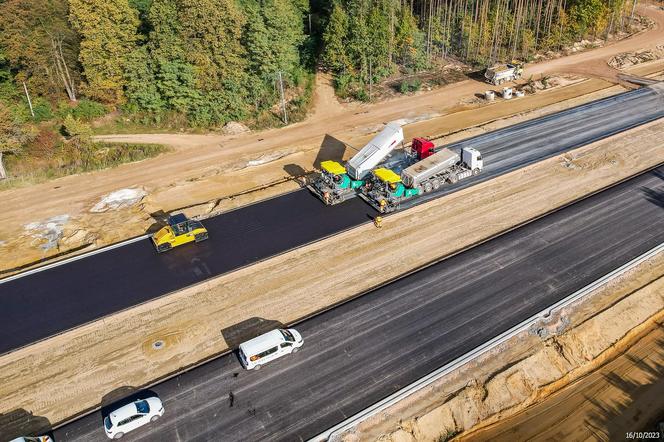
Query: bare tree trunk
{"x":631,"y":19}
{"x":61,"y":69}
{"x":3,"y":172}
{"x":72,"y":87}
{"x":27,"y":95}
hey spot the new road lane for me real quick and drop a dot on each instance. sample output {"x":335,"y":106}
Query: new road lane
{"x":82,"y":291}
{"x":364,"y":350}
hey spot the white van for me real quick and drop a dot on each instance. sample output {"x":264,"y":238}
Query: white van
{"x":268,"y":347}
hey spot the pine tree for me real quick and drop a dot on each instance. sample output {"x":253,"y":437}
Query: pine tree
{"x":334,"y":40}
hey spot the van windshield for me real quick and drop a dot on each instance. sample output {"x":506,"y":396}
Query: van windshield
{"x":288,"y":336}
{"x":142,"y":407}
{"x":107,"y":423}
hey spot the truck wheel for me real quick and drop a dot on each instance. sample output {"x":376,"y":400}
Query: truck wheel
{"x":201,"y":237}
{"x":476,"y":171}
{"x":452,"y":178}
{"x":295,"y":349}
{"x":257,"y":367}
{"x":154,"y":418}
{"x":118,"y":435}
{"x":427,"y":187}
{"x":436,"y":184}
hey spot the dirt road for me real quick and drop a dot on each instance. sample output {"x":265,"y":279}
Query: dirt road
{"x":198,"y":168}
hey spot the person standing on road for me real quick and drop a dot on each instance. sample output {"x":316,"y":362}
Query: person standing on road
{"x":378,"y":221}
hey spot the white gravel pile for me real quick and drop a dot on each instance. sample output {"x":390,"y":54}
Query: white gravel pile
{"x":47,"y":232}
{"x":118,"y":200}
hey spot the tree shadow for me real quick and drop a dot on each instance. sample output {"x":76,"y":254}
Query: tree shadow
{"x":160,"y":220}
{"x":250,"y":328}
{"x":654,"y":196}
{"x":611,"y":420}
{"x":331,"y":149}
{"x":121,"y":397}
{"x":477,"y":75}
{"x":20,"y":422}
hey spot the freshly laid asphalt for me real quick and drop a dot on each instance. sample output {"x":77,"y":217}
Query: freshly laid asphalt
{"x":40,"y":305}
{"x":364,"y":350}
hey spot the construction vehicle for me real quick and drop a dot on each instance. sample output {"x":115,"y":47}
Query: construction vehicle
{"x":502,"y":73}
{"x":180,"y":230}
{"x":436,"y":167}
{"x":337,"y":183}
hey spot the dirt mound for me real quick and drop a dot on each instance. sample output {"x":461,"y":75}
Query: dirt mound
{"x":627,"y":59}
{"x":234,"y":128}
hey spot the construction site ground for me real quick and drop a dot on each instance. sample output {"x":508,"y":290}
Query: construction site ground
{"x":81,"y":368}
{"x":625,"y":394}
{"x":214,"y":173}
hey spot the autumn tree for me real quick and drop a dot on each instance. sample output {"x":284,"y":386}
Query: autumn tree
{"x":108,"y":32}
{"x":13,"y":135}
{"x":41,"y":47}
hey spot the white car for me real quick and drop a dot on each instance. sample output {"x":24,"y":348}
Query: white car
{"x":131,"y":416}
{"x":270,"y":346}
{"x":32,"y":439}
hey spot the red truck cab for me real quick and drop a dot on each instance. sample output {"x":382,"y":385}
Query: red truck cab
{"x":422,"y":148}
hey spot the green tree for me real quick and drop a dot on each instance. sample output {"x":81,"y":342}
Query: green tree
{"x":272,"y":36}
{"x":14,"y":134}
{"x":108,"y":31}
{"x":334,"y":40}
{"x":585,"y":14}
{"x":141,"y":87}
{"x":75,"y":128}
{"x":211,"y":32}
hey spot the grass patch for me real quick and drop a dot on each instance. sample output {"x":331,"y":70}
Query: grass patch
{"x":67,"y":159}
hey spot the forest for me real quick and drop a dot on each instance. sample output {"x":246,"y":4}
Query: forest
{"x":202,"y":63}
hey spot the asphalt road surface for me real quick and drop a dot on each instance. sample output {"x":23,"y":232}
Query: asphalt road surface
{"x":366,"y":349}
{"x":82,"y":291}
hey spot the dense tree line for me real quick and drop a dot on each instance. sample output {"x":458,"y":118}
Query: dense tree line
{"x":209,"y":60}
{"x":366,"y":38}
{"x":216,"y":60}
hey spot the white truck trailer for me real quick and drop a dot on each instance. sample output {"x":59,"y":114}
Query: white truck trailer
{"x":502,"y":73}
{"x":337,"y":183}
{"x":386,"y":191}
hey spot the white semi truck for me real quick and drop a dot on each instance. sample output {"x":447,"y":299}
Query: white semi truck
{"x":337,"y":183}
{"x":386,"y":190}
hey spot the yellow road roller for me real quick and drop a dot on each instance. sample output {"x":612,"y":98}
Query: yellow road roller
{"x":180,"y":230}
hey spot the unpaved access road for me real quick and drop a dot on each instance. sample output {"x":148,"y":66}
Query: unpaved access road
{"x":199,"y":157}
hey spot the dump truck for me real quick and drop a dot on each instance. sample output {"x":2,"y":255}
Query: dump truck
{"x":337,"y":183}
{"x":436,"y":167}
{"x":502,"y":73}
